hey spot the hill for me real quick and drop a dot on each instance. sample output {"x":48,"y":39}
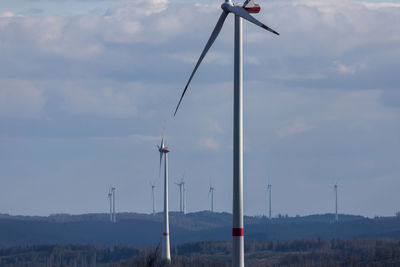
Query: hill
{"x":145,"y":230}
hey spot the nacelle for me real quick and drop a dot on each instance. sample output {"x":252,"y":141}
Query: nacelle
{"x":255,"y":9}
{"x":251,"y":7}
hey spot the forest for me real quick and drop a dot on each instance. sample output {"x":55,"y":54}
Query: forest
{"x":135,"y":229}
{"x":301,"y":252}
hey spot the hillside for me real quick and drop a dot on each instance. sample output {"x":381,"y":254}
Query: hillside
{"x":144,"y":230}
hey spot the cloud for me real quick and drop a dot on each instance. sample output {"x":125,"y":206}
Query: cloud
{"x":130,"y":9}
{"x":20,"y":99}
{"x":209,"y":143}
{"x":384,"y":4}
{"x":342,"y":68}
{"x":7,"y":14}
{"x":106,"y":101}
{"x":294,"y":127}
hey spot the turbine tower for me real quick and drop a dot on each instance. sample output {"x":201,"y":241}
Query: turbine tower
{"x":240,"y":11}
{"x":211,"y":193}
{"x":153,"y":186}
{"x":269,"y":189}
{"x":336,"y":214}
{"x":184,"y":198}
{"x":181,"y":197}
{"x":110,"y":199}
{"x":114,"y":217}
{"x":165,"y":242}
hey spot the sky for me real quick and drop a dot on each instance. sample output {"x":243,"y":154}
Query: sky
{"x":87,"y":88}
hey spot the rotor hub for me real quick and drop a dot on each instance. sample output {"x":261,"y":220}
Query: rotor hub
{"x":164,"y":150}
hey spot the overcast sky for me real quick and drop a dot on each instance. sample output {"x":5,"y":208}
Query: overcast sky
{"x":86,"y":88}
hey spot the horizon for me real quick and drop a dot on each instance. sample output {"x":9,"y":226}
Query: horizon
{"x":174,"y":212}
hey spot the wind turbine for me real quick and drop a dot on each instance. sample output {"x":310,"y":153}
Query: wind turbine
{"x":240,"y":11}
{"x":184,"y":198}
{"x":336,"y":214}
{"x":153,"y":186}
{"x":269,"y":189}
{"x":181,"y":196}
{"x":110,"y":198}
{"x":211,"y":193}
{"x":113,"y":217}
{"x":165,"y":243}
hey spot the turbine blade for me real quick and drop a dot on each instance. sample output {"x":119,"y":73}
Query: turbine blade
{"x":210,"y":41}
{"x":240,"y":11}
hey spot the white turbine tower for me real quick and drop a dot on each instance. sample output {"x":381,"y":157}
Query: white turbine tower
{"x":181,"y":195}
{"x":110,"y":199}
{"x":211,"y":194}
{"x":114,"y":217}
{"x":269,"y":189}
{"x":165,"y":243}
{"x":184,"y":198}
{"x":153,"y":186}
{"x":336,"y":214}
{"x":240,"y":11}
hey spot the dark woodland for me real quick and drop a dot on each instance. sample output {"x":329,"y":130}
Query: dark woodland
{"x":305,"y":252}
{"x":92,"y":240}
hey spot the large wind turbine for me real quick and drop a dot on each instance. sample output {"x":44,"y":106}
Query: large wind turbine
{"x":165,"y":243}
{"x":240,"y":11}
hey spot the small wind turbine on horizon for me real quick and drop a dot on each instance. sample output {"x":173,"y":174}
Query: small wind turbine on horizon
{"x":153,"y":186}
{"x":114,"y":217}
{"x":211,"y":194}
{"x":165,"y":253}
{"x":336,"y":213}
{"x":269,"y":189}
{"x":240,"y":11}
{"x":184,"y":198}
{"x":181,"y":186}
{"x":110,"y":199}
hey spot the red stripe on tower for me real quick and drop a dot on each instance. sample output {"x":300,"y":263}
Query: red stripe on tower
{"x":165,"y":234}
{"x":237,"y":231}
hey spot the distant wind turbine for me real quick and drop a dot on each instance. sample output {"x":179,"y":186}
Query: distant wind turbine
{"x":114,"y":216}
{"x":181,"y":185}
{"x":240,"y":11}
{"x":184,"y":198}
{"x":336,"y":214}
{"x":165,"y":243}
{"x":110,"y":198}
{"x":153,"y":186}
{"x":269,"y":189}
{"x":211,"y":193}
